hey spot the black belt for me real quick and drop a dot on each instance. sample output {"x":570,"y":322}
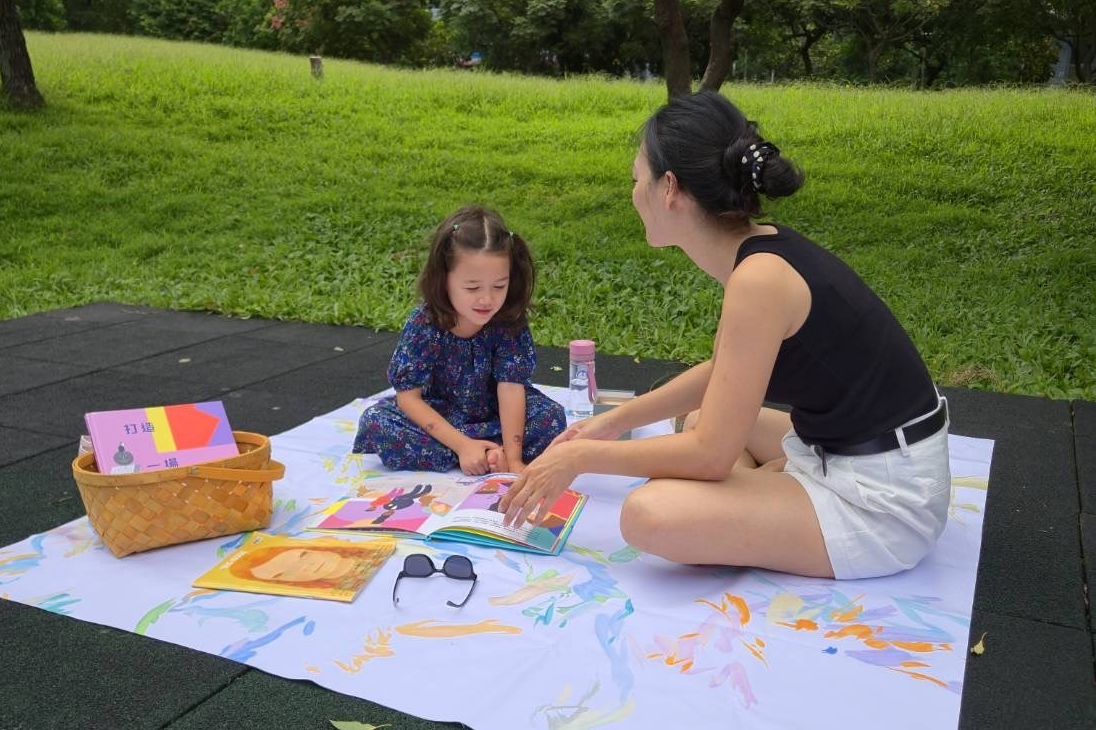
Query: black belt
{"x":889,"y":441}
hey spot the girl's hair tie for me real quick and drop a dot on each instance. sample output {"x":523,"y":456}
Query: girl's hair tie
{"x":456,"y":227}
{"x":753,"y":162}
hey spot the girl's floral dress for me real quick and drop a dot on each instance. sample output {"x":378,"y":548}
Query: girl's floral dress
{"x":459,"y":378}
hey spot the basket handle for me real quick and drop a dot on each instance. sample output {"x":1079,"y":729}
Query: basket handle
{"x":276,"y":471}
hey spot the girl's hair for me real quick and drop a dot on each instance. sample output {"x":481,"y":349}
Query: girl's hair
{"x":703,"y":139}
{"x":471,"y":229}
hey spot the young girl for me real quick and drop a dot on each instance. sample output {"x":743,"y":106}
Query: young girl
{"x":463,"y":365}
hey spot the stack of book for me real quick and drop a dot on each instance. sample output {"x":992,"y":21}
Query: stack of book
{"x":162,"y":437}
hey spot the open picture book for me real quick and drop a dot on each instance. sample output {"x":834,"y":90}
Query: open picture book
{"x":433,"y":506}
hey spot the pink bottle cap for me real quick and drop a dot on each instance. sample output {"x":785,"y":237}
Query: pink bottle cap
{"x":582,"y":348}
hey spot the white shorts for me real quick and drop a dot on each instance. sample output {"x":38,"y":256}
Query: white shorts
{"x":879,"y":514}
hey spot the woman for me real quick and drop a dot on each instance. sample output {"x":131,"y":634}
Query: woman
{"x":854,"y":482}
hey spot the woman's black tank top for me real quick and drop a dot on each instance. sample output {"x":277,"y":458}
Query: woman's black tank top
{"x":851,"y":372}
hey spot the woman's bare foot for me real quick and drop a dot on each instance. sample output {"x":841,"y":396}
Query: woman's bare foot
{"x":496,"y":461}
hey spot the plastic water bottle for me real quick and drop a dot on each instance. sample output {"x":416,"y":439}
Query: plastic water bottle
{"x":583,"y":386}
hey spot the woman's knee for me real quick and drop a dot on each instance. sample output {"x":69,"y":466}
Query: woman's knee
{"x":642,"y":520}
{"x":690,"y":420}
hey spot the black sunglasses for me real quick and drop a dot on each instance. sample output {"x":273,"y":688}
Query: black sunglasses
{"x":421,"y":566}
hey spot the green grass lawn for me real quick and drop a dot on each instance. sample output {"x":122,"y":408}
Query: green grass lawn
{"x":201,"y":177}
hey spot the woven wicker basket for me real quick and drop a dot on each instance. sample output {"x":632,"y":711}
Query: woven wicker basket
{"x":135,"y":512}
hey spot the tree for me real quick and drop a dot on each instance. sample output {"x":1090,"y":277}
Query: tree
{"x":16,"y":73}
{"x":806,"y":22}
{"x":48,"y":15}
{"x":1074,"y":23}
{"x":670,"y":20}
{"x":385,"y":31}
{"x":885,"y":24}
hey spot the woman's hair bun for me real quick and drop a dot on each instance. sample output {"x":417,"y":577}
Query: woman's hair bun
{"x":717,"y":156}
{"x":734,"y":167}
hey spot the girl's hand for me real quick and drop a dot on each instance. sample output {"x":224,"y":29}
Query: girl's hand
{"x":598,"y":427}
{"x":473,"y":456}
{"x":540,"y":485}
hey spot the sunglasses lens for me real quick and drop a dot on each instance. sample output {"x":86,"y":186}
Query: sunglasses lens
{"x":418,"y":565}
{"x":457,"y":566}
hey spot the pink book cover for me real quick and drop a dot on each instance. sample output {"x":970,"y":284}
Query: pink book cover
{"x":163,"y":437}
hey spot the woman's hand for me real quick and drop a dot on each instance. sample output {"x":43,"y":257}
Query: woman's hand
{"x":473,"y":456}
{"x":599,"y":427}
{"x":540,"y":485}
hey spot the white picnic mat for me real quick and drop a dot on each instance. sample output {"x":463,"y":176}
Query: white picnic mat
{"x":600,"y":636}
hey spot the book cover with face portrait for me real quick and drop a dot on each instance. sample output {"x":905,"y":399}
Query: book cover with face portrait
{"x":326,"y":568}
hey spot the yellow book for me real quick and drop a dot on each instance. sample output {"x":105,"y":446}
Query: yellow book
{"x":326,"y":568}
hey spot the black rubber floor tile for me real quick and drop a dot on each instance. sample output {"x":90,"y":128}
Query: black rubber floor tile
{"x":38,"y":494}
{"x":1030,"y":562}
{"x":1088,"y":547}
{"x":1031,"y":675}
{"x":72,"y":675}
{"x":340,"y":379}
{"x":260,"y":701}
{"x":269,"y":413}
{"x":103,"y":313}
{"x":18,"y":443}
{"x":117,"y":344}
{"x":993,"y":415}
{"x":38,"y":327}
{"x":1084,"y":418}
{"x":206,"y":322}
{"x":18,"y":374}
{"x":329,"y":336}
{"x":1085,"y":448}
{"x":613,"y":372}
{"x":230,"y":362}
{"x":59,"y":408}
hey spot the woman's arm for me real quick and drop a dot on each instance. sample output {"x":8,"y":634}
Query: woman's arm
{"x":761,"y":304}
{"x":512,"y":418}
{"x":675,"y":398}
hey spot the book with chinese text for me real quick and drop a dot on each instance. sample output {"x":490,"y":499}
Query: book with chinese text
{"x":163,"y":437}
{"x":433,"y":506}
{"x":324,"y":567}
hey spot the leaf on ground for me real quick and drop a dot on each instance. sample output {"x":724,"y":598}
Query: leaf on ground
{"x":557,"y":368}
{"x":979,"y":648}
{"x":184,"y":359}
{"x":339,"y":349}
{"x":353,"y":725}
{"x":636,"y":359}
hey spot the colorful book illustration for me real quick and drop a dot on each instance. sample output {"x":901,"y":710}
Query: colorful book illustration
{"x":433,"y":506}
{"x":323,"y":567}
{"x":145,"y":439}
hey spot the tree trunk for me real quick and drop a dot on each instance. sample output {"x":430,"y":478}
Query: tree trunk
{"x":874,"y":53}
{"x":675,"y":47}
{"x":1084,"y":54}
{"x":16,"y":74}
{"x":719,"y":55}
{"x":805,"y":52}
{"x":933,"y":71}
